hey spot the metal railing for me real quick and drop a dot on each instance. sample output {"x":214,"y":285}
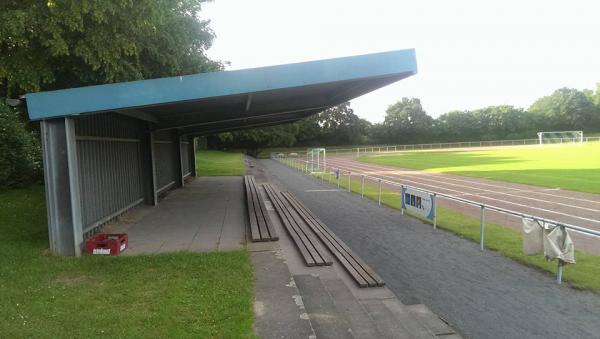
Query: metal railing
{"x":446,"y":145}
{"x":303,"y":166}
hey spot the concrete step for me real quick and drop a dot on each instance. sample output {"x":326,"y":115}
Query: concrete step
{"x":346,"y":303}
{"x":325,"y":318}
{"x":386,"y":321}
{"x":278,"y":309}
{"x":431,"y":321}
{"x":407,"y":319}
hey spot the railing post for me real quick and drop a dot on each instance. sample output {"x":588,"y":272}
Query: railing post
{"x":379,"y":199}
{"x":559,"y":269}
{"x":338,"y":175}
{"x":434,"y":211}
{"x":559,"y":272}
{"x":401,"y":199}
{"x":481,"y":227}
{"x":362,"y":187}
{"x":349,"y":183}
{"x":329,"y":179}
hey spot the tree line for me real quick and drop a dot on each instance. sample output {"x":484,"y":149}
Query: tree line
{"x":406,"y":122}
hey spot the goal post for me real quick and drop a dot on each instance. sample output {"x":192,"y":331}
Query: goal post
{"x":559,"y":137}
{"x":317,"y":158}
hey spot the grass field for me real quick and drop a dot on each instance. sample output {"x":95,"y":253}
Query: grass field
{"x":182,"y":295}
{"x":572,"y":166}
{"x":585,"y":274}
{"x":215,"y":163}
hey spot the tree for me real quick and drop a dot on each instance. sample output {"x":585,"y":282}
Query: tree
{"x":20,"y":156}
{"x":253,"y":141}
{"x":566,"y":109}
{"x":340,"y":126}
{"x":70,"y":43}
{"x":407,"y":122}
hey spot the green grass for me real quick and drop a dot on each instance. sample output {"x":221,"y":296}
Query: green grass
{"x":571,"y":166}
{"x":585,"y":274}
{"x":217,"y":163}
{"x":181,"y":295}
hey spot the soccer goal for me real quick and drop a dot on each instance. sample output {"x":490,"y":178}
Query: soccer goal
{"x":560,"y":137}
{"x":316,"y":159}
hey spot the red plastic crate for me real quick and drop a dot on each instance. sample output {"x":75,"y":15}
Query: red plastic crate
{"x":107,"y":244}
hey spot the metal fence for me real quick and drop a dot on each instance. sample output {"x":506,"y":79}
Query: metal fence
{"x":448,"y":145}
{"x":338,"y":172}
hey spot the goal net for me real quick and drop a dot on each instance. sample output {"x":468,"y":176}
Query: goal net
{"x":316,"y":159}
{"x":560,"y":137}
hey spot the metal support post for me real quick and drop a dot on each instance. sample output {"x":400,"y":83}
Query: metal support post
{"x":434,"y":212}
{"x":337,"y":175}
{"x":481,"y":227}
{"x":401,"y":199}
{"x":61,"y":177}
{"x":559,"y":272}
{"x":379,"y":199}
{"x":362,"y":187}
{"x":349,"y":183}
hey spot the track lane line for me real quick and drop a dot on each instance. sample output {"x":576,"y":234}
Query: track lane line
{"x":399,"y":176}
{"x":474,"y":180}
{"x":499,"y":200}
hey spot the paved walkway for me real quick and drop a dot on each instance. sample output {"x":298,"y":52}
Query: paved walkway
{"x":296,"y":301}
{"x":483,"y":295}
{"x":207,"y":214}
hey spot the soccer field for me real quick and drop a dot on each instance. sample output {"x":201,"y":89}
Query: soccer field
{"x":571,"y":166}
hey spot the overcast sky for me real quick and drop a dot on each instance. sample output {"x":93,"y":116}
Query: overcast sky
{"x":470,"y":54}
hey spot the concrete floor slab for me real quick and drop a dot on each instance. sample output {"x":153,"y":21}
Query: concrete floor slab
{"x":207,"y":214}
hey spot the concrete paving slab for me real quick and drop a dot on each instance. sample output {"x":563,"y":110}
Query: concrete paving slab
{"x":207,"y":214}
{"x":278,"y":308}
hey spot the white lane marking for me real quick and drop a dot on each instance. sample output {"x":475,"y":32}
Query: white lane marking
{"x":493,"y":199}
{"x":425,"y":174}
{"x":335,"y":190}
{"x":400,"y":176}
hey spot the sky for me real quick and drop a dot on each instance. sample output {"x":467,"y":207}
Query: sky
{"x":470,"y":54}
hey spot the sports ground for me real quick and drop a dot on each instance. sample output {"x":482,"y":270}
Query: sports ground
{"x":569,"y":166}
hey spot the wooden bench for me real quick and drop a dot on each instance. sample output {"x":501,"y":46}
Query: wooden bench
{"x":307,"y":243}
{"x":352,"y":263}
{"x":261,"y":228}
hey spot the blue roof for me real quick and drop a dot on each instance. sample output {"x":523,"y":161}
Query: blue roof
{"x":172,"y":90}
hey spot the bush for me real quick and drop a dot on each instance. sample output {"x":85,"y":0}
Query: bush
{"x":20,"y":151}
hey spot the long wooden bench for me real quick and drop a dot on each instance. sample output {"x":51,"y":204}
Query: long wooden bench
{"x":261,"y":228}
{"x":305,"y":240}
{"x":352,"y":263}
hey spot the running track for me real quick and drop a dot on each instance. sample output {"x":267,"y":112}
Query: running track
{"x":581,"y":209}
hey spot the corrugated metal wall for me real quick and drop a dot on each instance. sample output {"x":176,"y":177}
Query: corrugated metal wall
{"x":110,"y":165}
{"x":167,"y":160}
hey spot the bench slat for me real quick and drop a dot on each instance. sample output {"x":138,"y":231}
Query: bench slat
{"x":287,"y":223}
{"x":261,"y":228}
{"x":336,"y":245}
{"x":254,"y":231}
{"x":308,"y":245}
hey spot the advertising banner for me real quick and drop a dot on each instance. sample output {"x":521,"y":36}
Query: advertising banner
{"x":418,"y":202}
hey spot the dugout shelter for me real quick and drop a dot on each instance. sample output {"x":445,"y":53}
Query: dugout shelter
{"x":108,"y":148}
